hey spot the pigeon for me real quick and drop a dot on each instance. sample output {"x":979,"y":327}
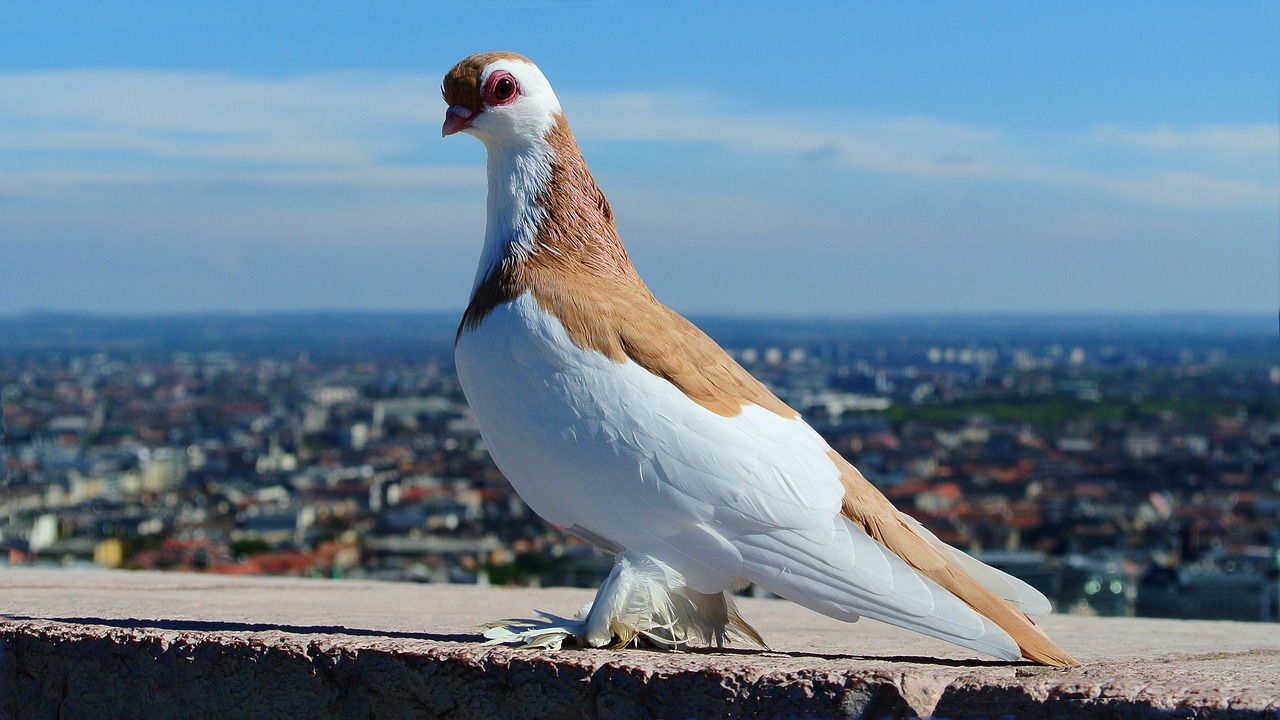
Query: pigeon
{"x":618,"y":420}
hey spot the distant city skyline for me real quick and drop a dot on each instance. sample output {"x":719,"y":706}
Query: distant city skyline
{"x":840,"y":160}
{"x":1139,"y":457}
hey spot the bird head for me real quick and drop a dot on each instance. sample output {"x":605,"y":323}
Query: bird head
{"x":499,"y":97}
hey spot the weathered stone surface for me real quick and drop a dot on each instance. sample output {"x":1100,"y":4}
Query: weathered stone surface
{"x":92,"y":644}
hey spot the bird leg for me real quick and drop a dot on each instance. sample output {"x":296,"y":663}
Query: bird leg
{"x":643,"y":599}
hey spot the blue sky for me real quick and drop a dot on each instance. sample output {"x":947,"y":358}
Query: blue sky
{"x":836,"y":159}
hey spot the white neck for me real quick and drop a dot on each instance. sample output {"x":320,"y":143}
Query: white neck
{"x":518,"y":173}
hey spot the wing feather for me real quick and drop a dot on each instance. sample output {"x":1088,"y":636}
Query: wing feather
{"x":1024,"y":597}
{"x":802,"y":573}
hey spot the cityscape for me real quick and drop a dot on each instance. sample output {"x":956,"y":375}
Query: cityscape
{"x":1123,"y":465}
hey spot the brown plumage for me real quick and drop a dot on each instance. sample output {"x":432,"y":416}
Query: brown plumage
{"x":588,"y":282}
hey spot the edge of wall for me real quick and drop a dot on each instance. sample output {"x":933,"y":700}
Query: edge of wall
{"x":113,"y":645}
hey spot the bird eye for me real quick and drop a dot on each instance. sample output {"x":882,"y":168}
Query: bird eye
{"x":501,"y":89}
{"x":504,"y":89}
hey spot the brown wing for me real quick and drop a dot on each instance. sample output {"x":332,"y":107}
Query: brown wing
{"x":622,"y":320}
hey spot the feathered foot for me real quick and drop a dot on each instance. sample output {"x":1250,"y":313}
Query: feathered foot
{"x":550,"y":632}
{"x":642,"y":600}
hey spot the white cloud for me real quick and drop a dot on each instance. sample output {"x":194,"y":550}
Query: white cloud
{"x":340,"y":118}
{"x":1249,"y":140}
{"x":1212,"y":166}
{"x":92,"y":129}
{"x":48,"y":184}
{"x":81,"y":134}
{"x":909,"y":145}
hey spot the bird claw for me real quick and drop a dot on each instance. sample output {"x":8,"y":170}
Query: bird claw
{"x":549,"y":633}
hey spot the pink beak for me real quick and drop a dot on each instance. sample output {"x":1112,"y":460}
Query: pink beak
{"x":457,"y":119}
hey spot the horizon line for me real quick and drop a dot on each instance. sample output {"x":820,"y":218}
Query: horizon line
{"x":716,"y":315}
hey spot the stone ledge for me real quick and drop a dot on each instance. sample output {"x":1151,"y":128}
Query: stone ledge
{"x":98,"y":644}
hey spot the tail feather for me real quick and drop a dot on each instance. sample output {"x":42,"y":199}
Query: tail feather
{"x":870,"y":510}
{"x":1024,"y":597}
{"x":917,"y":603}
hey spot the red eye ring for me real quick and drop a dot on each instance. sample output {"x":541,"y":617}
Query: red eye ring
{"x":501,"y":88}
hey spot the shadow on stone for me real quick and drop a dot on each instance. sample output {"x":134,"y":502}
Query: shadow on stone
{"x":223,"y":626}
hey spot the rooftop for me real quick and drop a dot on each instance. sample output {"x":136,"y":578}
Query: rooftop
{"x":103,"y":644}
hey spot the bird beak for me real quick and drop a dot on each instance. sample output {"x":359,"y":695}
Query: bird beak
{"x":457,"y":119}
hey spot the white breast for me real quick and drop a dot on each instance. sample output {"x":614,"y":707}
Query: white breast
{"x":611,"y":449}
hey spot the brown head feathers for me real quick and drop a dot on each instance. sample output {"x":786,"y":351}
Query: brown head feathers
{"x":461,"y":84}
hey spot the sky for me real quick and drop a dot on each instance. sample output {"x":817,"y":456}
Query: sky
{"x":842,"y":159}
